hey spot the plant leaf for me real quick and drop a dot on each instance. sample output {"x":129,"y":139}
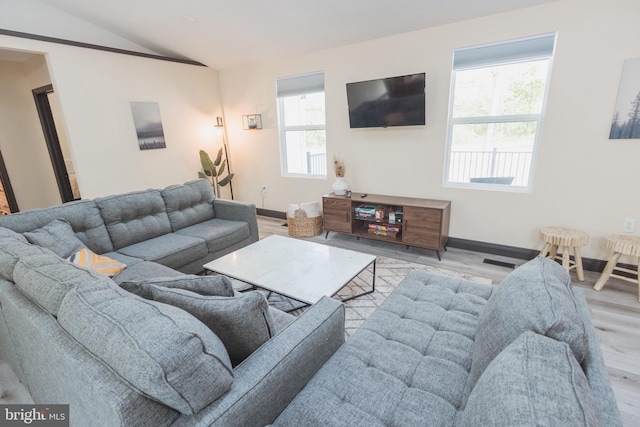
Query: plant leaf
{"x":227,"y":179}
{"x":222,"y":167}
{"x":206,"y":162}
{"x":218,"y":158}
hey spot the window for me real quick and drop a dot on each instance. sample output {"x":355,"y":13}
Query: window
{"x":302,"y":125}
{"x":495,"y":113}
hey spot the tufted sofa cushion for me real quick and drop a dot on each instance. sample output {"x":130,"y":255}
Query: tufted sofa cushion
{"x":134,"y":217}
{"x":429,"y":324}
{"x":83,"y":215}
{"x":11,"y":250}
{"x":8,"y":233}
{"x":189,"y":204}
{"x":57,"y":236}
{"x":173,"y":250}
{"x":158,"y":349}
{"x":47,"y":278}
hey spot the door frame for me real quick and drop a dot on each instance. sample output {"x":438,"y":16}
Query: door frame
{"x":43,"y":106}
{"x":6,"y":186}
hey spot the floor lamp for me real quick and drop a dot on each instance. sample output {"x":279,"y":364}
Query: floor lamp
{"x":220,"y":125}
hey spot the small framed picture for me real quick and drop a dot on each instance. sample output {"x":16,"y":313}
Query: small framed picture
{"x":252,"y":121}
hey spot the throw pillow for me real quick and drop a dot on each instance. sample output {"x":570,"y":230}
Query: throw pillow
{"x":536,"y":380}
{"x":99,"y":263}
{"x":160,"y":350}
{"x":535,"y":297}
{"x":57,"y":236}
{"x":203,"y":285}
{"x":242,"y":323}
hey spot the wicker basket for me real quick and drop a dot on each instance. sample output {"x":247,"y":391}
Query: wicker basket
{"x":304,"y":227}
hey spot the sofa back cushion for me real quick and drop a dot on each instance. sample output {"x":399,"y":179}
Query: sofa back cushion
{"x":158,"y":349}
{"x":204,"y":285}
{"x":83,"y":216}
{"x":535,"y":297}
{"x":7,"y":232}
{"x":57,"y":236}
{"x":189,"y":204}
{"x":46,"y":279}
{"x":133,"y":217}
{"x":243,"y":323}
{"x":536,"y":380}
{"x":11,"y":250}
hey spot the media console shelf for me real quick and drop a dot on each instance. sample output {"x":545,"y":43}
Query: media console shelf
{"x":409,"y":221}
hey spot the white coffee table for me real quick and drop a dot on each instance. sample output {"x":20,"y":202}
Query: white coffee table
{"x":298,"y":269}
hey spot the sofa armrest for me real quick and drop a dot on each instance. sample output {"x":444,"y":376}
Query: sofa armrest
{"x":238,"y":211}
{"x":267,"y":381}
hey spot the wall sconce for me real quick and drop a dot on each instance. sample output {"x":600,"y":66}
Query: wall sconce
{"x":219,"y":122}
{"x":252,"y":121}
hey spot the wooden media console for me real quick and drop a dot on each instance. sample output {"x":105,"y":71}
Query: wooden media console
{"x":409,"y":221}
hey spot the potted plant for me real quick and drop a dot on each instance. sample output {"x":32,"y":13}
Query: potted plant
{"x":213,"y":171}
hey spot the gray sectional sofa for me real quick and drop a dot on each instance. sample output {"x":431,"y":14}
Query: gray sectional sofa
{"x":443,"y":351}
{"x":105,"y":345}
{"x":155,"y":346}
{"x":181,"y":227}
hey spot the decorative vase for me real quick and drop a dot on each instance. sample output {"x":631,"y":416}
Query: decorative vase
{"x":340,"y":187}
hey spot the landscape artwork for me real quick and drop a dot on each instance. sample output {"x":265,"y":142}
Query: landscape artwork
{"x":146,"y":117}
{"x":626,"y":118}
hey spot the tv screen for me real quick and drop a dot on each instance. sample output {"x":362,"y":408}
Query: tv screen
{"x":392,"y":101}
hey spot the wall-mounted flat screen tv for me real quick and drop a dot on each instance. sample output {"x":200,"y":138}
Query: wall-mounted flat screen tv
{"x":392,"y":101}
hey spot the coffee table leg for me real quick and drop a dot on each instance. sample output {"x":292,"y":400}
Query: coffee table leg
{"x":373,"y":286}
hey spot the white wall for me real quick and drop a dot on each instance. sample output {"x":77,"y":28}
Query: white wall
{"x":94,"y":89}
{"x":582,"y":178}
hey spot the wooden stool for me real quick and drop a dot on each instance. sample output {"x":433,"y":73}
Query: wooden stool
{"x":621,"y":244}
{"x":564,"y":239}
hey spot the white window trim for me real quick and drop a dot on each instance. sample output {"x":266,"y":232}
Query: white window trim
{"x":282,"y":129}
{"x":498,"y":119}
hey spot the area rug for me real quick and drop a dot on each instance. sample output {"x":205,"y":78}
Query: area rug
{"x":389,"y":273}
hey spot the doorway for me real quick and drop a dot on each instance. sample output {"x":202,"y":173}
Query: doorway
{"x":8,"y":204}
{"x":58,"y":150}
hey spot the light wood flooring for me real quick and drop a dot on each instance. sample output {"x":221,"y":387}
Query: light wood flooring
{"x":615,"y":310}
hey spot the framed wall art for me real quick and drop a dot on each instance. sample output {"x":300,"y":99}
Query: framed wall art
{"x":146,"y":117}
{"x":626,"y":117}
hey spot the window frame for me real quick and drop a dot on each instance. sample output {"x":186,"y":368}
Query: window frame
{"x":283,"y":128}
{"x":499,"y":119}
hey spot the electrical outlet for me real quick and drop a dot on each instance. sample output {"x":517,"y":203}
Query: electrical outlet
{"x":264,"y":189}
{"x":629,"y":226}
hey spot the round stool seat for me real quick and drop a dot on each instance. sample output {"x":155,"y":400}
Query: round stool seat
{"x":564,"y":236}
{"x":624,"y":243}
{"x":564,"y":239}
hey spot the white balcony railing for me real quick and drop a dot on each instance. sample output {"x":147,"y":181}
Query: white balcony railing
{"x":505,"y":167}
{"x":490,"y":166}
{"x":317,"y":164}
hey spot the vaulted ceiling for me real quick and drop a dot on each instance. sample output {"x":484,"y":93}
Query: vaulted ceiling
{"x":224,"y":34}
